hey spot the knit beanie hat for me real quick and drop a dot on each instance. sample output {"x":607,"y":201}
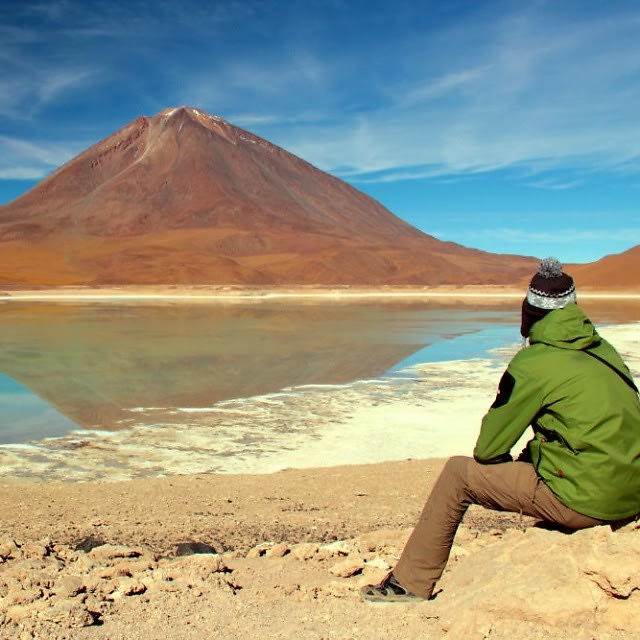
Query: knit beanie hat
{"x":549,"y":289}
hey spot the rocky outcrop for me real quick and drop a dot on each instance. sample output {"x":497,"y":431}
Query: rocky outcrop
{"x":588,"y":582}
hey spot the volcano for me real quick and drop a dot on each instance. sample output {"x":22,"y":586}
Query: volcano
{"x":184,"y":197}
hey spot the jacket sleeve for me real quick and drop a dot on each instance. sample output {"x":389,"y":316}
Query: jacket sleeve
{"x":514,"y":409}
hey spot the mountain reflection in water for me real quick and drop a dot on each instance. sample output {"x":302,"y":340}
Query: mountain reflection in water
{"x":95,"y":364}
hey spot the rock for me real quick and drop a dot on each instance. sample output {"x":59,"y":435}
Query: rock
{"x":69,"y":586}
{"x":127,"y":568}
{"x":588,"y":581}
{"x":18,"y":596}
{"x":383,"y":540}
{"x":199,"y":566}
{"x":129,"y":587}
{"x":336,"y":589}
{"x":91,"y":583}
{"x":457,"y":552}
{"x":378,"y":563}
{"x":464,"y":535}
{"x":259,"y":550}
{"x":20,"y":612}
{"x":337,"y":548}
{"x":68,"y":614}
{"x":372,"y":576}
{"x":609,"y":566}
{"x":278,"y":550}
{"x":72,"y":588}
{"x":347,"y":568}
{"x":304,"y":551}
{"x":619,"y":615}
{"x":162,"y":574}
{"x":196,"y":572}
{"x":82,"y":563}
{"x":161,"y":581}
{"x":108,"y":573}
{"x":108,"y":552}
{"x":9,"y":549}
{"x":37,"y":550}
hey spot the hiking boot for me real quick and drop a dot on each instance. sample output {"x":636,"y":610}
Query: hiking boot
{"x":389,"y":591}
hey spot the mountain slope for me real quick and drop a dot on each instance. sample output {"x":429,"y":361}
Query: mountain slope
{"x":619,"y":271}
{"x":185,"y":197}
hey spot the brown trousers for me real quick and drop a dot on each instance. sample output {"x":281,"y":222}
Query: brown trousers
{"x":508,"y":486}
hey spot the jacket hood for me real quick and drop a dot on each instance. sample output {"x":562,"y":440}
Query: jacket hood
{"x":566,"y":328}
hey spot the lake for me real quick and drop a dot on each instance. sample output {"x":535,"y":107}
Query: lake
{"x":117,"y":391}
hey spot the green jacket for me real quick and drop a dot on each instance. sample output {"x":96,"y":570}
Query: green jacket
{"x":585,"y":418}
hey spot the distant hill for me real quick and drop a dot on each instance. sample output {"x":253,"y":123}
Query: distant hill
{"x":184,"y":197}
{"x":620,"y":272}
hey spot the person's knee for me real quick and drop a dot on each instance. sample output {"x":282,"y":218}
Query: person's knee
{"x":449,"y":494}
{"x":457,"y":463}
{"x":457,"y":466}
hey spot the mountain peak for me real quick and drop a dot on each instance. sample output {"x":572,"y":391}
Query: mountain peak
{"x":192,"y":112}
{"x":177,"y":116}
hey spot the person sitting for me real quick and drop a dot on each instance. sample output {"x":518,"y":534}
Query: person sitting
{"x":580,"y":469}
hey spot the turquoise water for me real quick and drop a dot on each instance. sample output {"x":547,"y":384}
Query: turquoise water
{"x":476,"y":343}
{"x":25,"y":416}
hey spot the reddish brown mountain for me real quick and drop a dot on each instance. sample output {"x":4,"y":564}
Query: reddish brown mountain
{"x":185,"y":197}
{"x":618,"y":272}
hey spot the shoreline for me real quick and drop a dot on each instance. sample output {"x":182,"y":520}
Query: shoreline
{"x":238,"y":293}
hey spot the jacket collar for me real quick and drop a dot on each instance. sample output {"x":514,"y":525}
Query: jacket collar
{"x":566,"y":328}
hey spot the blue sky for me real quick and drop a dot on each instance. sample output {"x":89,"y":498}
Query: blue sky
{"x":508,"y":126}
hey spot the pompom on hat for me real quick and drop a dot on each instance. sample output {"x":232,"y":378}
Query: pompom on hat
{"x":551,"y":288}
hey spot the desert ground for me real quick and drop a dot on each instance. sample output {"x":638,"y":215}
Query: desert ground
{"x":285,"y":554}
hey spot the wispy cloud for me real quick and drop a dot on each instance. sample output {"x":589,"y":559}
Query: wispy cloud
{"x":29,"y":85}
{"x":534,"y":92}
{"x":25,"y":160}
{"x":553,"y":184}
{"x":446,"y":85}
